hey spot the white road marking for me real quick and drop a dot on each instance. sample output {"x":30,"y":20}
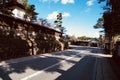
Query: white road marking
{"x":39,"y":72}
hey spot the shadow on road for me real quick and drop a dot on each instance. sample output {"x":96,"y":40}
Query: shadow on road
{"x":82,"y":70}
{"x":41,"y":63}
{"x":34,"y":64}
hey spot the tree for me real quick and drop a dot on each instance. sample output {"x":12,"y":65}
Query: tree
{"x":73,"y":38}
{"x":111,"y":21}
{"x":25,"y":3}
{"x":58,"y":22}
{"x":99,"y":1}
{"x":99,"y":23}
{"x":84,"y":38}
{"x":30,"y":9}
{"x":42,"y":21}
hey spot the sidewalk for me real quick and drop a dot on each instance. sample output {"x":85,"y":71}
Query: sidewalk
{"x":106,"y":69}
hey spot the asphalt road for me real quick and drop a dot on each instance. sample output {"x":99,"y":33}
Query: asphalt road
{"x":78,"y":63}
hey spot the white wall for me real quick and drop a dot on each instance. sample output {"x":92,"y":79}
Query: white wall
{"x":18,"y":12}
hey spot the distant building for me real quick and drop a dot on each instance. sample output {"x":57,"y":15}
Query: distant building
{"x":90,"y":43}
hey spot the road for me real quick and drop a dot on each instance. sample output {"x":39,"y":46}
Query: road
{"x":78,"y":63}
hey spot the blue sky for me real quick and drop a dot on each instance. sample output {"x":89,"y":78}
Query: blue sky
{"x":79,"y":16}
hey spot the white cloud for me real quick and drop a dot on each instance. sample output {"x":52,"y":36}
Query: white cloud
{"x":49,"y":1}
{"x":65,"y":14}
{"x":55,"y":1}
{"x":54,"y":14}
{"x":67,"y":1}
{"x":62,"y":1}
{"x":90,"y":2}
{"x":44,"y":0}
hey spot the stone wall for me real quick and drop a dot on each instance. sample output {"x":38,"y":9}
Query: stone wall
{"x":20,"y":38}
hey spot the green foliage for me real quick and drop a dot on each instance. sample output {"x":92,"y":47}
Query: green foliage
{"x":73,"y":38}
{"x":99,"y":23}
{"x":58,"y":23}
{"x":30,"y":8}
{"x":99,"y":1}
{"x":84,"y":38}
{"x":25,"y":2}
